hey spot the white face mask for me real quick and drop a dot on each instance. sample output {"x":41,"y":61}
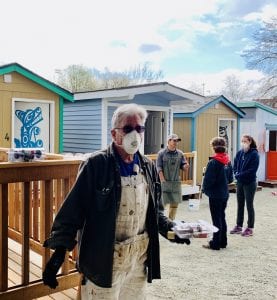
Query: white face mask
{"x":245,"y":146}
{"x":131,"y":142}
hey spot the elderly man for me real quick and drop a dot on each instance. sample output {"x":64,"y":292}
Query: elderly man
{"x":169,"y":162}
{"x":115,"y":207}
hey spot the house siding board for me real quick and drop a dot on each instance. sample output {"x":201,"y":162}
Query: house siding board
{"x":24,"y":88}
{"x":182,"y":127}
{"x":257,"y":129}
{"x":111,"y":110}
{"x":149,"y":99}
{"x":82,"y":126}
{"x":206,"y":129}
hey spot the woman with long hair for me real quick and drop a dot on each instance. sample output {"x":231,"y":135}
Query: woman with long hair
{"x":246,"y":164}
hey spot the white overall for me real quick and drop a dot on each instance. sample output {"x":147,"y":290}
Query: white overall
{"x":130,"y":252}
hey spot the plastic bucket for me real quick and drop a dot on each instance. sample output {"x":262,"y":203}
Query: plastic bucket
{"x":194,"y":204}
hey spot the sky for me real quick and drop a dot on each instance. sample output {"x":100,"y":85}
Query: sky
{"x":195,"y":42}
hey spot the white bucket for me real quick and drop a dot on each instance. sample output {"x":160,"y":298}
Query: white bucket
{"x":194,"y":204}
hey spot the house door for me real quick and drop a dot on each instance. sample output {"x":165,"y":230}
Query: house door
{"x":31,"y":125}
{"x":226,"y":130}
{"x":154,"y":132}
{"x":272,"y":155}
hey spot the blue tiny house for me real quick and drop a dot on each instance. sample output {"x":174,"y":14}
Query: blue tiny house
{"x":87,"y":121}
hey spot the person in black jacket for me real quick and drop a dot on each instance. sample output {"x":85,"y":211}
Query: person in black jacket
{"x":246,"y":164}
{"x":115,"y":207}
{"x":218,"y":174}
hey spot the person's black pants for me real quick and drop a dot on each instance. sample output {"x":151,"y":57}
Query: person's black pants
{"x":246,"y":193}
{"x":217,"y":209}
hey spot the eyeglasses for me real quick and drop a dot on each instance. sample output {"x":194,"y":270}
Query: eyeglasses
{"x":128,"y":128}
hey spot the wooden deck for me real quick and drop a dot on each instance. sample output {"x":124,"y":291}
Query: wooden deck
{"x":15,"y":270}
{"x":30,"y":196}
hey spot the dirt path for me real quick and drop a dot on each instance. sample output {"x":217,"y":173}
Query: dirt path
{"x":246,"y":269}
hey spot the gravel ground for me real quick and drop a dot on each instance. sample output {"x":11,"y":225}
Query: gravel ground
{"x":246,"y":269}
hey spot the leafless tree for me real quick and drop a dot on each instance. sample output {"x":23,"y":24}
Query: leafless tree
{"x":78,"y":78}
{"x":234,"y":89}
{"x":262,"y":55}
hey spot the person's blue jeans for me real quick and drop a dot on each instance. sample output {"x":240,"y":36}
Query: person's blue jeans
{"x":217,"y":209}
{"x":246,"y":193}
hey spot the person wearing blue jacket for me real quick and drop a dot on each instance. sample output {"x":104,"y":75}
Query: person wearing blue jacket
{"x":218,"y":175}
{"x":246,"y":164}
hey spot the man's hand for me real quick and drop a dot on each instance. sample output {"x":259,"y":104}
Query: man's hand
{"x":172,"y":237}
{"x":181,"y":241}
{"x":52,"y":267}
{"x":186,"y":166}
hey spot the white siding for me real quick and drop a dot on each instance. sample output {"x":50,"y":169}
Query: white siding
{"x":255,"y":126}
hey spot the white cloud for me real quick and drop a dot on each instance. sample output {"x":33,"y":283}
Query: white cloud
{"x":48,"y":35}
{"x":267,"y":12}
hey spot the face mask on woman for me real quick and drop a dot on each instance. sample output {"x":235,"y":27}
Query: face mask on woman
{"x":131,"y":142}
{"x":245,"y":146}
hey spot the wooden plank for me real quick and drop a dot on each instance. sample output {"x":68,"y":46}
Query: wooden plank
{"x":38,"y":289}
{"x":34,"y":245}
{"x":25,"y":219}
{"x":15,"y":258}
{"x":46,"y":217}
{"x":14,"y":277}
{"x":60,"y":296}
{"x":35,"y":210}
{"x":11,"y":205}
{"x":17,"y":200}
{"x":4,"y":237}
{"x":43,"y":170}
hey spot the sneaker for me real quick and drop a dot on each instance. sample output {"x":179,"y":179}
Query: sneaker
{"x":247,"y":232}
{"x":236,"y":230}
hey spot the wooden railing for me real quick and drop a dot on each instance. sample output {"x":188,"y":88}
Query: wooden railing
{"x":30,"y":195}
{"x":188,"y":176}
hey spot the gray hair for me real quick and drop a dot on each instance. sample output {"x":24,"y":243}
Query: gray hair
{"x":128,"y":110}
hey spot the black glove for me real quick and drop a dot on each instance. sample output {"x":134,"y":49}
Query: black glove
{"x":181,"y":241}
{"x":52,"y":267}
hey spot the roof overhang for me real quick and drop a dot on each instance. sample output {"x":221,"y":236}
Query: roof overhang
{"x":211,"y":103}
{"x":15,"y":67}
{"x":163,"y":90}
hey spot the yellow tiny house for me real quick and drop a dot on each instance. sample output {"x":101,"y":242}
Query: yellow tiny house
{"x":31,"y":110}
{"x":199,"y":123}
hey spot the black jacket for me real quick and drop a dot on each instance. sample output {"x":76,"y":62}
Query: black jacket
{"x":246,"y":165}
{"x":216,"y":179}
{"x":91,"y":208}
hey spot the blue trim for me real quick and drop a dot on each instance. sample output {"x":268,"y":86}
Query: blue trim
{"x":221,"y":98}
{"x":270,"y":126}
{"x":254,"y":104}
{"x":183,"y":115}
{"x":192,"y":135}
{"x":61,"y":109}
{"x":238,"y":131}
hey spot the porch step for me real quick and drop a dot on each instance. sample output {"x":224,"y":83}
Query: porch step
{"x":268,"y":183}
